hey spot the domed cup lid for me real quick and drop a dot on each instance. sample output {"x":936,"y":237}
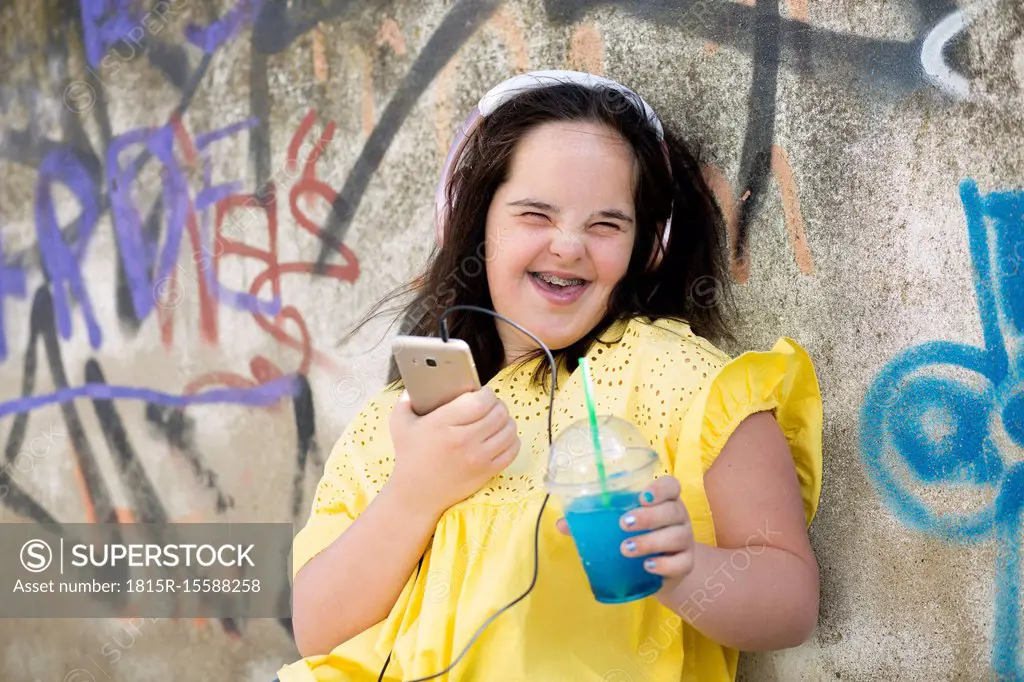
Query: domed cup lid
{"x":572,"y":463}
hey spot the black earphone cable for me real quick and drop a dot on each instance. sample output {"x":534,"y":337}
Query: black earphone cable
{"x":443,"y":330}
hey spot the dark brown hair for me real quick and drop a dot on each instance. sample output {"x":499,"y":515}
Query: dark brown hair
{"x":690,"y":284}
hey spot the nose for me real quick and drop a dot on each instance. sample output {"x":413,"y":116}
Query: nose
{"x":567,"y":245}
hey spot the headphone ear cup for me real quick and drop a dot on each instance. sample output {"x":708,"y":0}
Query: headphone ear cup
{"x":442,"y":209}
{"x":658,"y":253}
{"x":660,"y":245}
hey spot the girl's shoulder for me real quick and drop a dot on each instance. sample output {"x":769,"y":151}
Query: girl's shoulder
{"x":656,"y":362}
{"x":667,"y":340}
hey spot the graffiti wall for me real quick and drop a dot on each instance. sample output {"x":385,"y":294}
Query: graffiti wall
{"x":199,"y":198}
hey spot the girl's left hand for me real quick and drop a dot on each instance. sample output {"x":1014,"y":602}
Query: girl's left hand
{"x":669,"y":533}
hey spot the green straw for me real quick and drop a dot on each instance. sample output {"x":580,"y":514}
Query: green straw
{"x":588,"y":392}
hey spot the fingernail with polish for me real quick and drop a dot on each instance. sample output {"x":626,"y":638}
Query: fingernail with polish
{"x":649,"y":564}
{"x":629,"y":520}
{"x":647,"y":497}
{"x":630,"y":546}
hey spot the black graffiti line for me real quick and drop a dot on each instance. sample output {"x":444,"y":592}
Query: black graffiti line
{"x":886,"y":62}
{"x":178,"y":430}
{"x":172,"y":60}
{"x":461,"y":22}
{"x":20,"y":147}
{"x":73,"y":128}
{"x":278,"y":24}
{"x":179,"y":110}
{"x":123,"y":292}
{"x":804,"y":48}
{"x":146,"y":504}
{"x":259,"y":107}
{"x":755,"y":159}
{"x":305,"y":424}
{"x":93,"y":165}
{"x":14,"y":497}
{"x":932,"y":11}
{"x":138,"y":484}
{"x":892,"y":62}
{"x":41,"y":327}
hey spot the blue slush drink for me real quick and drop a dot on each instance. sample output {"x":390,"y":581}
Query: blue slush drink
{"x":595,"y":498}
{"x":596,"y":530}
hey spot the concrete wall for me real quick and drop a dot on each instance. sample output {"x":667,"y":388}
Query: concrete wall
{"x":869,"y":155}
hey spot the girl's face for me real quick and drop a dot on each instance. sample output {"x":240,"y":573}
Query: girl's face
{"x":560,"y":232}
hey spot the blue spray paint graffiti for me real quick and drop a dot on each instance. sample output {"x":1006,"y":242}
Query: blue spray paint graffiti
{"x":105,"y":24}
{"x":920,"y":425}
{"x":62,"y":261}
{"x":12,"y":283}
{"x":262,"y":395}
{"x":211,"y":37}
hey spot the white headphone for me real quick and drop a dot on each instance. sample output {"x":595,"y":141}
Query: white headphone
{"x":508,"y":90}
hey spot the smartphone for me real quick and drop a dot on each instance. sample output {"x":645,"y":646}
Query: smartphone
{"x":434,"y":371}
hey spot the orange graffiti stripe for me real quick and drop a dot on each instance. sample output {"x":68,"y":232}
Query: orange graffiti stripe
{"x":791,"y":208}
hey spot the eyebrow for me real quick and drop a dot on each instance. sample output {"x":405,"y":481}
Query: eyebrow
{"x":612,"y":213}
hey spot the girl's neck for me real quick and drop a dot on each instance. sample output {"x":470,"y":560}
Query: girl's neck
{"x":515,"y":353}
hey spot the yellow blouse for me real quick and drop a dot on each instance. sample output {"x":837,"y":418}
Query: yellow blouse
{"x":686,"y":396}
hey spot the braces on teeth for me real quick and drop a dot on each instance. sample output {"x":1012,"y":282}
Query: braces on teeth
{"x":554,"y":279}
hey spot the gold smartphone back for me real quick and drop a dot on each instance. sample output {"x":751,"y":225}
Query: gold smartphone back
{"x":435,"y":372}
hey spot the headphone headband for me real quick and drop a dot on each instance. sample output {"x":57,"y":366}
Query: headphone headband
{"x":517,"y":85}
{"x":510,"y":89}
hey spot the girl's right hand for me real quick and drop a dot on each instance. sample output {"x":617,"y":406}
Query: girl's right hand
{"x":443,"y":457}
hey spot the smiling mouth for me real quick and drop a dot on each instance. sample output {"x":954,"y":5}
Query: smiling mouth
{"x":558,"y":283}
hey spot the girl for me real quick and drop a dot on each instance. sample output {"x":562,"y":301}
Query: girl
{"x":570,"y":209}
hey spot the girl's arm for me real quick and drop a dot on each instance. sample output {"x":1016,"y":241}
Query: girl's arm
{"x":355,"y":582}
{"x":758,"y":590}
{"x":440,"y":458}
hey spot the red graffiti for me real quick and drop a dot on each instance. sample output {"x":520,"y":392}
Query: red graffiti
{"x":283,"y":322}
{"x":262,"y":369}
{"x":308,"y":185}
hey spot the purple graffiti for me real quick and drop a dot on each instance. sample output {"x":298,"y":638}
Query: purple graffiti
{"x":105,"y":23}
{"x":212,"y":36}
{"x":138,"y":255}
{"x":12,"y":284}
{"x":207,"y":199}
{"x":257,"y":396}
{"x":61,"y":261}
{"x":204,"y":140}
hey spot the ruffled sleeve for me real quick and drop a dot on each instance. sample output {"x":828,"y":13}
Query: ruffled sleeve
{"x":781,"y":380}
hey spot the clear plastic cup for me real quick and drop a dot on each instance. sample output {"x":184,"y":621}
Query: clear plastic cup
{"x":594,"y":512}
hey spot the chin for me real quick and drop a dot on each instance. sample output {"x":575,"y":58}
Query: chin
{"x":558,"y":337}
